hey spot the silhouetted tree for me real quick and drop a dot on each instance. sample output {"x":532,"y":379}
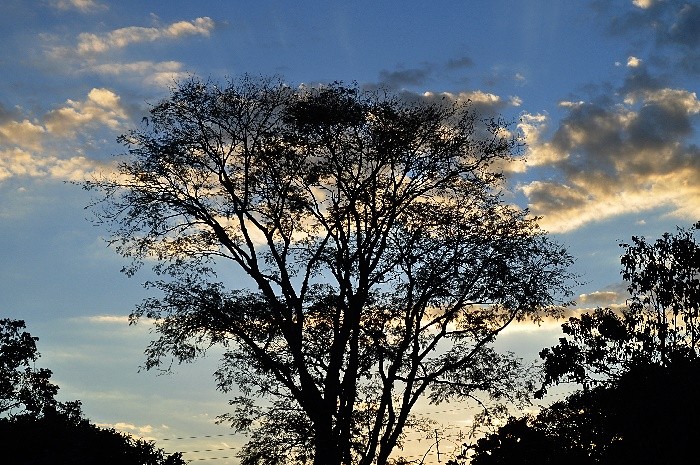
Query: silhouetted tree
{"x":382,"y":258}
{"x":639,"y":368}
{"x":58,"y":437}
{"x":648,"y":415}
{"x":23,"y":388}
{"x":659,"y":326}
{"x":664,"y":279}
{"x":36,"y":429}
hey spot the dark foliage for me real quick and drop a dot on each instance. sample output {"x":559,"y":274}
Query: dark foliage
{"x":36,"y":429}
{"x":648,"y":416}
{"x":658,"y":327}
{"x":60,"y":438}
{"x":23,"y":387}
{"x":640,"y":370}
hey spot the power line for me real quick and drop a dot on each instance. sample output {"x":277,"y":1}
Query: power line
{"x":208,"y":450}
{"x":445,"y":411}
{"x":199,"y":437}
{"x":214,"y":458}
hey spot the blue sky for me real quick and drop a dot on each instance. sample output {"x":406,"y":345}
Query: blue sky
{"x":603,"y":91}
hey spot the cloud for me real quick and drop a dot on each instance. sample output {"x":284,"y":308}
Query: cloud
{"x":460,"y":63}
{"x":93,"y":44}
{"x":633,"y":62}
{"x":614,"y":297}
{"x":639,"y":81}
{"x":644,"y":4}
{"x":41,"y":147}
{"x":685,"y":30}
{"x":515,"y":101}
{"x":484,"y":104}
{"x":146,"y":432}
{"x":161,"y":74}
{"x":404,"y":77}
{"x":102,"y":107}
{"x":540,"y":153}
{"x":91,"y":53}
{"x":670,"y":29}
{"x":25,"y":134}
{"x":477,"y":97}
{"x":84,"y":6}
{"x":109,"y":319}
{"x":616,"y":158}
{"x":611,"y":297}
{"x":418,"y":76}
{"x":15,"y":162}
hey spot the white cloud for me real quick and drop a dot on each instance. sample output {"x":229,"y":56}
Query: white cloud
{"x":91,"y":44}
{"x":109,"y":319}
{"x":633,"y":62}
{"x":602,"y":298}
{"x":597,"y":197}
{"x":140,"y":431}
{"x":15,"y":162}
{"x":548,"y":324}
{"x":41,"y":148}
{"x":476,"y":96}
{"x":671,"y":99}
{"x":481,"y":97}
{"x":102,"y":107}
{"x":643,"y":4}
{"x":137,"y":67}
{"x":26,"y":134}
{"x":161,"y":74}
{"x":567,"y":104}
{"x":538,"y":153}
{"x":75,"y":169}
{"x":81,"y":5}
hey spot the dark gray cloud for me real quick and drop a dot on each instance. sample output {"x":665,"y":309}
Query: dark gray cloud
{"x":685,"y":30}
{"x":459,"y":63}
{"x":400,"y":78}
{"x":619,"y":156}
{"x":669,"y":28}
{"x":591,"y":134}
{"x":624,"y":18}
{"x":639,"y":81}
{"x":6,"y":114}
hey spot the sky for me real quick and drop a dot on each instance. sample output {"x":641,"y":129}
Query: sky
{"x":603,"y":92}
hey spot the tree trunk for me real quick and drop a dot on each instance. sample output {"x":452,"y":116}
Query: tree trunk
{"x":326,"y":453}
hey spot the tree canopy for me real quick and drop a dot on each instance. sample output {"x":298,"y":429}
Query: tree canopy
{"x":381,"y":257}
{"x":639,"y":368}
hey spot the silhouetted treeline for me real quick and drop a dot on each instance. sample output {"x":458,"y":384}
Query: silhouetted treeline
{"x":36,"y":429}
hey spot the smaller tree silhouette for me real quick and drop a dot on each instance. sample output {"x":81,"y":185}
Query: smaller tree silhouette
{"x":36,"y":429}
{"x":23,"y":388}
{"x":639,"y":369}
{"x":660,"y":326}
